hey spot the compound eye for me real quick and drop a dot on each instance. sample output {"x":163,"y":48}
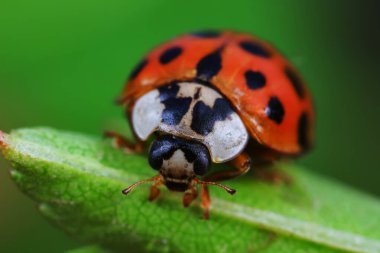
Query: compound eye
{"x":156,"y":153}
{"x":161,"y":149}
{"x":202,"y":162}
{"x":155,"y":160}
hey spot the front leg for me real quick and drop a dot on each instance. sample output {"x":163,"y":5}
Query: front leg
{"x":206,"y":202}
{"x":241,"y":164}
{"x":189,"y":196}
{"x":122,"y":142}
{"x":272,"y":175}
{"x":154,"y":191}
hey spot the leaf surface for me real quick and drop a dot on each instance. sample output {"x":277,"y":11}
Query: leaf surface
{"x":77,"y":181}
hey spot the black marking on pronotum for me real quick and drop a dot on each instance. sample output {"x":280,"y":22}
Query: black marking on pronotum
{"x":295,"y":81}
{"x":137,"y":69}
{"x":207,"y":34}
{"x":165,"y":146}
{"x":254,"y":48}
{"x":197,"y":93}
{"x":303,"y":127}
{"x":204,"y":83}
{"x":209,"y":65}
{"x":204,"y":117}
{"x":275,"y":110}
{"x":175,"y":108}
{"x":168,"y":91}
{"x":255,"y":80}
{"x":170,"y":54}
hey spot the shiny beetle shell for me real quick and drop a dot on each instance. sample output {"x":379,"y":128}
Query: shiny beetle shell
{"x":262,"y":86}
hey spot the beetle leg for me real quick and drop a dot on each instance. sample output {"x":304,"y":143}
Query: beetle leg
{"x":189,"y":196}
{"x":264,"y":165}
{"x":206,"y":202}
{"x":241,"y":164}
{"x":154,"y":191}
{"x":272,"y":175}
{"x":122,"y":142}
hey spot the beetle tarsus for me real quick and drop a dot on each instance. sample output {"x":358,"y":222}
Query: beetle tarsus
{"x":241,"y":164}
{"x":122,"y":142}
{"x":206,"y":202}
{"x":189,"y":197}
{"x":154,"y":191}
{"x":272,"y":176}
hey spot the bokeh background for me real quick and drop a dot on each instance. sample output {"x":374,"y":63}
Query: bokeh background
{"x":62,"y":63}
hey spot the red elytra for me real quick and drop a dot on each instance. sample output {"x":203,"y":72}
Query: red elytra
{"x":290,"y":133}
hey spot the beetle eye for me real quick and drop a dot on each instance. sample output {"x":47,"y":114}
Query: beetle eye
{"x":199,"y":155}
{"x":164,"y":147}
{"x":155,"y":159}
{"x":161,"y":149}
{"x":202,"y":162}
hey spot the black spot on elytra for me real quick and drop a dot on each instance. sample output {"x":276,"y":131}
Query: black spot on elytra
{"x":170,"y":54}
{"x":275,"y":110}
{"x":303,"y":127}
{"x":254,"y":48}
{"x":209,"y":65}
{"x":165,"y":146}
{"x":175,"y":108}
{"x":207,"y":34}
{"x":204,"y":117}
{"x":137,"y":69}
{"x":296,"y":81}
{"x":255,"y":80}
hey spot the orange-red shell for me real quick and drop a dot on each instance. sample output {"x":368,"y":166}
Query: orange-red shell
{"x":293,"y":135}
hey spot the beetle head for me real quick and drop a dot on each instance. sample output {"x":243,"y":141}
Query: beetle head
{"x":179,"y":162}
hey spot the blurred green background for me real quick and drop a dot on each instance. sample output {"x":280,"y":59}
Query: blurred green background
{"x":62,"y":63}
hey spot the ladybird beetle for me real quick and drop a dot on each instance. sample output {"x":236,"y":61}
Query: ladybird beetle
{"x":214,"y":97}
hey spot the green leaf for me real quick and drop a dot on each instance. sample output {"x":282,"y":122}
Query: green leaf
{"x":77,"y":181}
{"x":88,"y":249}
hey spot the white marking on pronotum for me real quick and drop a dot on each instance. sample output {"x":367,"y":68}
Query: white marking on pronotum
{"x":147,"y":114}
{"x":226,"y":140}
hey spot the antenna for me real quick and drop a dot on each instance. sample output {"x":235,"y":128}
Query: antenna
{"x":130,"y":188}
{"x":227,"y":189}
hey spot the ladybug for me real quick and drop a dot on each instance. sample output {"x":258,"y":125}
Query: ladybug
{"x":214,"y":97}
